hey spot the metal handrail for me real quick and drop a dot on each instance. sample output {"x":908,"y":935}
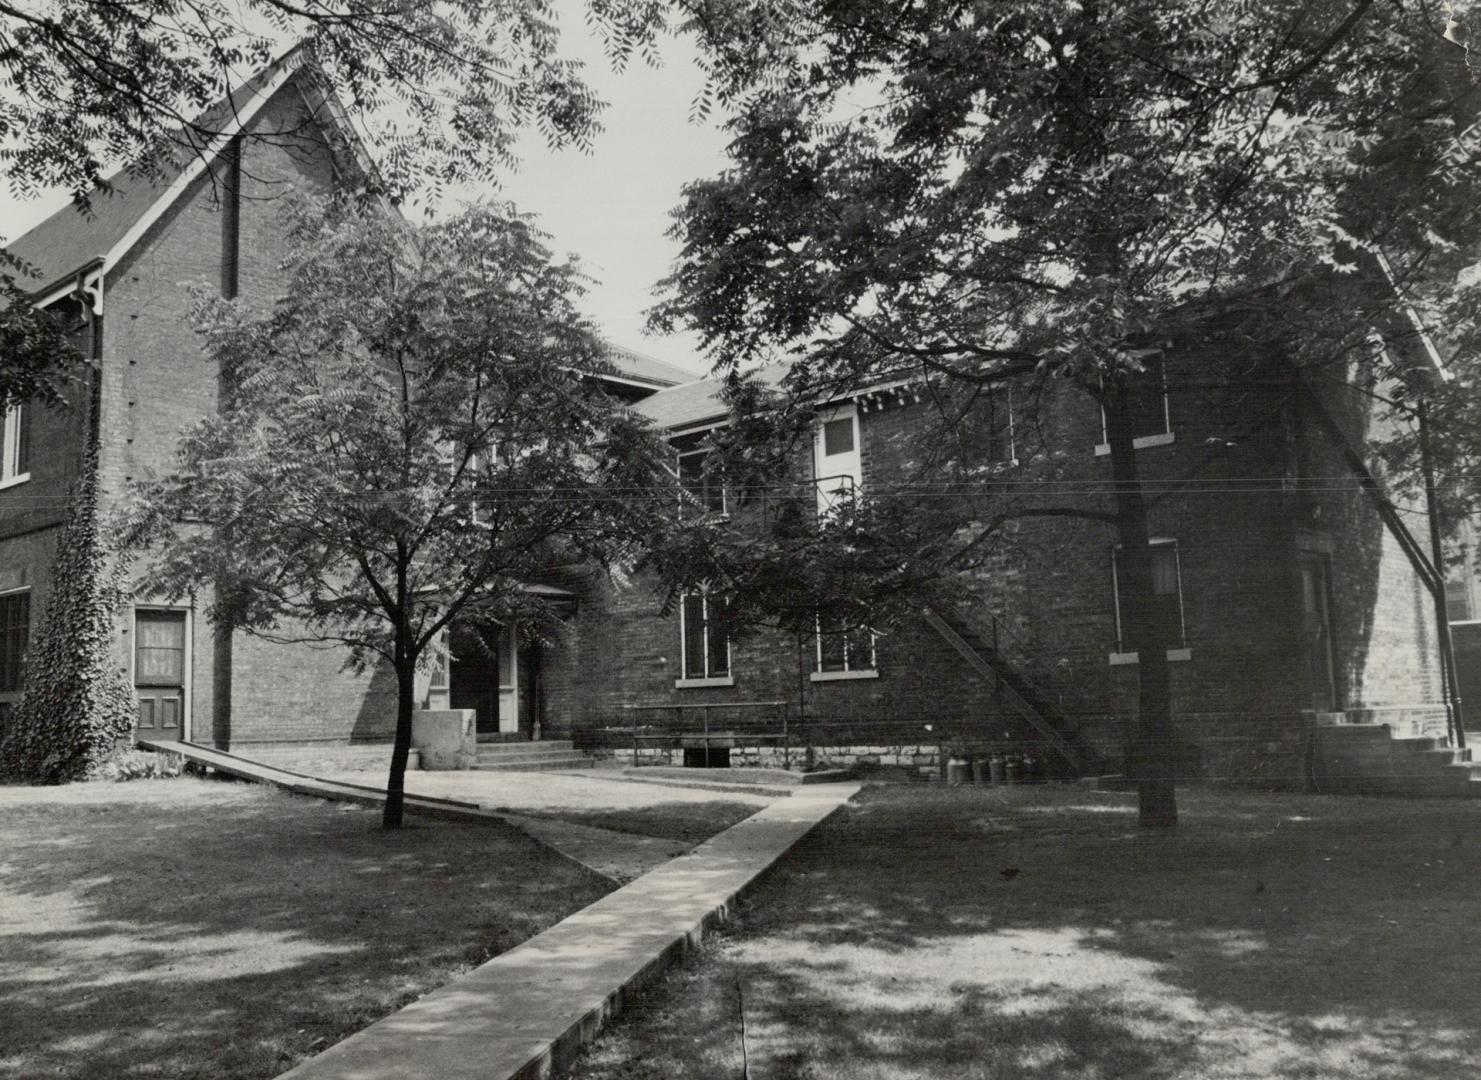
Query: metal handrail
{"x":1019,"y":653}
{"x":1026,"y":708}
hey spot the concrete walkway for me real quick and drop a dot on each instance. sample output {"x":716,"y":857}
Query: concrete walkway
{"x":525,"y":1013}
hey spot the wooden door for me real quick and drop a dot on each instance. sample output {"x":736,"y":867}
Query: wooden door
{"x":159,"y":674}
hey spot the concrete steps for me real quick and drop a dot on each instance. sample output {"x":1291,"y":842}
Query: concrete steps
{"x":530,"y":756}
{"x":1366,"y":759}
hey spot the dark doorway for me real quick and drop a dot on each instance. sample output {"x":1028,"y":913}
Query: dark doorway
{"x":480,"y":676}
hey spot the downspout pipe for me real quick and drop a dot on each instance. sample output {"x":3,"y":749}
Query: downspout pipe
{"x":1437,"y":556}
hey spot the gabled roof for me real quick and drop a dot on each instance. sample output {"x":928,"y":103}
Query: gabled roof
{"x":685,"y":404}
{"x":646,"y":369}
{"x":696,"y":402}
{"x":70,"y":240}
{"x":700,"y":403}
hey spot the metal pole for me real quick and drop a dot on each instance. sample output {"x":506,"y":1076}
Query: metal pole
{"x":1437,"y":555}
{"x":802,"y":701}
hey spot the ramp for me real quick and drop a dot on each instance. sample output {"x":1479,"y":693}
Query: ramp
{"x":303,"y":784}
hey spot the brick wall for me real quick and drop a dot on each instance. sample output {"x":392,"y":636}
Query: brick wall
{"x":624,"y":650}
{"x":158,"y":383}
{"x":1244,"y":483}
{"x":33,"y":511}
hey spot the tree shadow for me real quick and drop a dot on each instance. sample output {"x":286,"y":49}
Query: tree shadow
{"x":227,"y":931}
{"x":1040,"y":933}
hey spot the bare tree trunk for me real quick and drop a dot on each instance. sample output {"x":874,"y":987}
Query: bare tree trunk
{"x":1150,"y":760}
{"x":406,"y":672}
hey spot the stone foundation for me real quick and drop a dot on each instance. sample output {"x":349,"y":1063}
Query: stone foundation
{"x":909,"y":756}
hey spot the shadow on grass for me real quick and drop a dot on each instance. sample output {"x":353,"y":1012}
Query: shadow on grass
{"x":693,"y":822}
{"x":227,"y":931}
{"x":931,"y":932}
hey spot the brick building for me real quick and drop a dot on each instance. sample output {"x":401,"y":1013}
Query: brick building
{"x":125,"y":277}
{"x":1304,"y":607}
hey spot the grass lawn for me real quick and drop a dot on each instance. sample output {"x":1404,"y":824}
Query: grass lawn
{"x":692,"y":822}
{"x":193,"y":928}
{"x":1037,"y":932}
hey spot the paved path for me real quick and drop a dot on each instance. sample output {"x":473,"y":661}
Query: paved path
{"x":587,"y":789}
{"x":303,"y":784}
{"x":619,"y":856}
{"x":523,"y":1014}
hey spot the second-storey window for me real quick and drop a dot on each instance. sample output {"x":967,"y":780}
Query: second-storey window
{"x":838,"y":464}
{"x":703,"y":640}
{"x":1146,"y":404}
{"x":1167,"y":595}
{"x":15,"y":632}
{"x":707,"y":489}
{"x":15,"y":463}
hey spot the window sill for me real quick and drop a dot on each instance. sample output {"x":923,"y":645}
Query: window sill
{"x":695,"y":684}
{"x":840,"y":676}
{"x":12,"y":481}
{"x":1165,"y":438}
{"x":1173,"y":655}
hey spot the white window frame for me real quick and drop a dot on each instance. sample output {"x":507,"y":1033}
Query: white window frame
{"x":684,"y":682}
{"x":1165,"y":437}
{"x":848,"y":672}
{"x":10,"y":448}
{"x":1182,"y":652}
{"x":701,"y":453}
{"x":826,"y":501}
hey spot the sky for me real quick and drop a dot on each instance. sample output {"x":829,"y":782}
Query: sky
{"x":610,"y":207}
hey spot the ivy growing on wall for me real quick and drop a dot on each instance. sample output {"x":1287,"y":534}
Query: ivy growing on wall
{"x":76,"y":703}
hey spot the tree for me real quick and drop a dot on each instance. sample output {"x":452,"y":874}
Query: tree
{"x":440,"y":90}
{"x":38,"y":356}
{"x":406,"y":439}
{"x":77,"y":703}
{"x":974,"y":193}
{"x":439,"y":87}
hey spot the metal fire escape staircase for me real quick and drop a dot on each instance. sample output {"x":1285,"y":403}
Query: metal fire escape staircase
{"x":975,"y":645}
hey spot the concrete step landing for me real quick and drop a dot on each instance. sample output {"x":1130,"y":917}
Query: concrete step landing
{"x":1366,"y":759}
{"x":526,"y":756}
{"x":516,"y":749}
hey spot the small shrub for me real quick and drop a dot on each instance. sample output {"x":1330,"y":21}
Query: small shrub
{"x":127,"y":763}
